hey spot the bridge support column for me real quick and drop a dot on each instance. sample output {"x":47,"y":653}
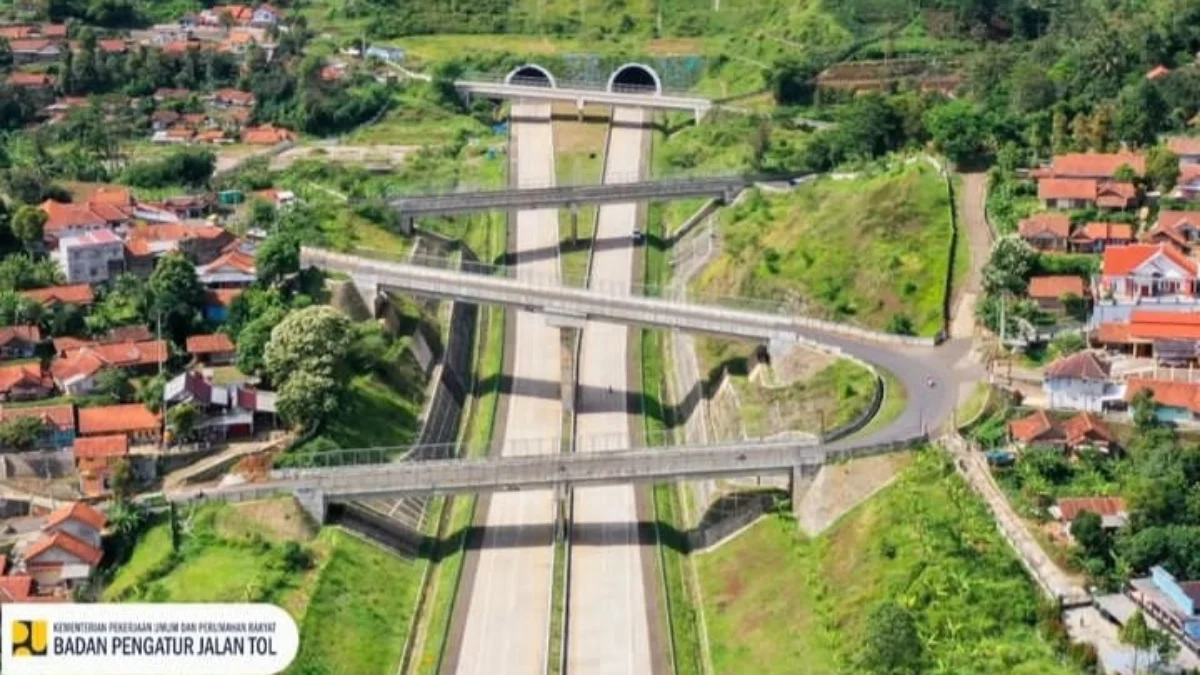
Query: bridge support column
{"x":562,"y":503}
{"x":312,"y":500}
{"x":799,"y":481}
{"x":579,"y":109}
{"x":407,"y":224}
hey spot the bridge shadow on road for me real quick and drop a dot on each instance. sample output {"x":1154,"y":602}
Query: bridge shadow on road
{"x":597,"y":399}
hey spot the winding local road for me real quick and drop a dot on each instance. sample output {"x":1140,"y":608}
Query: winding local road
{"x":607,"y":623}
{"x":508,"y":610}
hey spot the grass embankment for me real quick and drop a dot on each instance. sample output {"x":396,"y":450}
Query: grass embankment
{"x":776,"y":599}
{"x":871,"y":250}
{"x":578,"y":160}
{"x":351,"y":598}
{"x":895,"y":400}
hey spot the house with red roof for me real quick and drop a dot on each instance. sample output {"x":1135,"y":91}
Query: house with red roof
{"x":217,"y":303}
{"x":69,"y":548}
{"x":75,"y":370}
{"x":102,"y":210}
{"x":95,"y":459}
{"x":233,"y":269}
{"x":73,"y":294}
{"x":1186,"y":147}
{"x":214,"y":349}
{"x":1112,"y":510}
{"x":1157,"y":72}
{"x":230,"y":410}
{"x":1175,"y":401}
{"x":1188,"y":185}
{"x":20,"y":341}
{"x":58,"y":422}
{"x":134,"y":420}
{"x":24,"y":382}
{"x":200,"y":240}
{"x":1095,"y":237}
{"x":1046,"y":231}
{"x":1142,"y":273}
{"x":1181,"y":228}
{"x":266,"y":135}
{"x":1084,"y":430}
{"x":1082,"y":193}
{"x":90,"y":257}
{"x":1050,"y":291}
{"x":1095,"y":165}
{"x":227,"y":98}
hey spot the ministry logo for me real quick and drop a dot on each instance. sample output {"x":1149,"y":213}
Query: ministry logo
{"x":29,"y":638}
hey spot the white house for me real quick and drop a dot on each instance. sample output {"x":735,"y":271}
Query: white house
{"x":1147,"y":273}
{"x":91,"y":257}
{"x":1080,"y":382}
{"x":68,"y":548}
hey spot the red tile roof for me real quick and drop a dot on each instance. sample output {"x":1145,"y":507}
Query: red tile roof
{"x":1151,"y":325}
{"x":1174,"y":223}
{"x":235,"y":258}
{"x":1184,"y":145}
{"x":234,"y":97}
{"x":1067,"y":188}
{"x":53,"y":30}
{"x":113,"y":46}
{"x":222,"y":296}
{"x":24,"y":333}
{"x":1104,"y":232}
{"x":266,"y":135}
{"x":1158,"y":72}
{"x":172,"y":93}
{"x":1096,"y":165}
{"x":1055,"y":287}
{"x":1124,"y":260}
{"x":214,"y":343}
{"x":88,"y":360}
{"x":30,"y":80}
{"x":30,"y":45}
{"x":1189,"y":174}
{"x":61,"y":417}
{"x":117,"y":419}
{"x":80,"y":511}
{"x":1030,"y":428}
{"x":16,"y":32}
{"x":75,"y":294}
{"x":64,"y":542}
{"x":1115,"y":195}
{"x":1045,"y":224}
{"x":15,"y":588}
{"x":1101,"y":506}
{"x":23,"y":375}
{"x":1086,"y":427}
{"x":95,"y":447}
{"x":1166,"y":393}
{"x":1080,"y":366}
{"x":1112,"y":333}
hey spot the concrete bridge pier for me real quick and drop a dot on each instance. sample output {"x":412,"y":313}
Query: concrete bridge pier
{"x":312,"y":500}
{"x":579,"y":109}
{"x":408,"y":225}
{"x":562,"y":504}
{"x":799,"y":481}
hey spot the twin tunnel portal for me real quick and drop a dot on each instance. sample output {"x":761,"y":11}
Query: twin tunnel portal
{"x":629,"y":78}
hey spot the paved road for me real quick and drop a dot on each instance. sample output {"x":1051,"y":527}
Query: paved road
{"x":973,"y":225}
{"x":608,"y":625}
{"x":508,"y":612}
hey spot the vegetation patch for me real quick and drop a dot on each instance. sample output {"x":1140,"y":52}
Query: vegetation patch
{"x":922,"y":558}
{"x":872,"y":250}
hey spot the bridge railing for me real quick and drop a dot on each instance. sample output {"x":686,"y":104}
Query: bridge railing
{"x":578,"y":85}
{"x":682,"y":177}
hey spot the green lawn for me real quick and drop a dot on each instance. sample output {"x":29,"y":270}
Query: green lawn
{"x":865,"y":250}
{"x":774,"y":598}
{"x":374,"y":415}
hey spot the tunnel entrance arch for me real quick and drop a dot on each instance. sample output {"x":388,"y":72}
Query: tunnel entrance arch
{"x":635,"y":78}
{"x":531,"y":75}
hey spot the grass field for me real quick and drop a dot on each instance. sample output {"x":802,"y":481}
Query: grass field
{"x":578,"y":160}
{"x":774,"y":598}
{"x":374,"y":414}
{"x":865,"y":250}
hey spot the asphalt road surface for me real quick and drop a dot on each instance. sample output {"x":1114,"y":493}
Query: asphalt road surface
{"x":608,"y":627}
{"x":508,"y":614}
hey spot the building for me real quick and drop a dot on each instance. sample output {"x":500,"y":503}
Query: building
{"x":1082,"y":193}
{"x":229,"y":410}
{"x":188,"y":207}
{"x":200,"y":240}
{"x":133,"y":420}
{"x":71,"y":219}
{"x":1188,"y":186}
{"x":1050,"y":291}
{"x":1046,"y":231}
{"x":75,"y":370}
{"x":24,"y":382}
{"x":95,"y":459}
{"x":1112,"y":510}
{"x":1174,"y":401}
{"x":1181,"y":228}
{"x":214,"y":349}
{"x":217,"y":303}
{"x":68,"y":549}
{"x":1095,"y":165}
{"x":266,"y":135}
{"x":58,"y":423}
{"x":1080,"y":381}
{"x":19,"y":342}
{"x":1142,"y":273}
{"x":74,"y":294}
{"x":1084,"y":430}
{"x":234,"y":269}
{"x":1095,"y":237}
{"x":227,"y":98}
{"x":92,"y":257}
{"x":1187,"y":147}
{"x":34,"y":50}
{"x":1172,"y":337}
{"x":1171,"y":602}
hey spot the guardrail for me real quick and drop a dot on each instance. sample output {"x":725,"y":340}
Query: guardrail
{"x":610,"y":299}
{"x":572,"y":85}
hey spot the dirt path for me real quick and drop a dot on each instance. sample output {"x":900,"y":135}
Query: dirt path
{"x":972,"y":210}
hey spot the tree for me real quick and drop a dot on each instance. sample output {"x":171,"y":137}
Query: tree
{"x":1008,"y":269}
{"x":1145,"y":411}
{"x":121,"y":481}
{"x":21,"y":433}
{"x":114,"y":383}
{"x":305,"y":399}
{"x":901,"y":324}
{"x":252,"y":340}
{"x":1162,"y":168}
{"x":124,"y":517}
{"x":176,"y":295}
{"x":1141,"y":113}
{"x":313,"y":340}
{"x":892,"y":645}
{"x":958,"y":130}
{"x":182,"y":420}
{"x":278,"y":257}
{"x":793,"y":80}
{"x":1142,"y":637}
{"x":27,"y":224}
{"x":1088,"y":531}
{"x":6,"y":55}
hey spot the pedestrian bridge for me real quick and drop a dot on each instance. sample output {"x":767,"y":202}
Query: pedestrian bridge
{"x":581,"y":96}
{"x":569,"y":305}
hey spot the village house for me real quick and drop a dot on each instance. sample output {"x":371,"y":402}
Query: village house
{"x":1171,"y":602}
{"x":58,"y":430}
{"x":1080,"y":381}
{"x":92,"y":257}
{"x":1188,"y":186}
{"x":232,"y":410}
{"x":276,"y":197}
{"x":1050,"y":291}
{"x":1094,"y":165}
{"x":68,"y":549}
{"x":1171,"y":337}
{"x":1095,"y":237}
{"x":1084,"y":430}
{"x":1142,"y":273}
{"x":1046,"y":231}
{"x":227,"y":98}
{"x":1186,"y":147}
{"x":24,"y":382}
{"x":1175,"y":401}
{"x":95,"y":459}
{"x":200,"y":240}
{"x":1112,"y":511}
{"x":233,"y":269}
{"x":111,"y":209}
{"x":73,"y":294}
{"x":19,"y":342}
{"x":189,"y":207}
{"x":1082,"y":193}
{"x":266,"y":135}
{"x":133,"y":420}
{"x":213,"y":349}
{"x":217,"y":303}
{"x":34,"y":50}
{"x":1181,"y":228}
{"x":75,"y":370}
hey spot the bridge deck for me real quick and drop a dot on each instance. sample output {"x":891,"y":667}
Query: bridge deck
{"x":580,"y":96}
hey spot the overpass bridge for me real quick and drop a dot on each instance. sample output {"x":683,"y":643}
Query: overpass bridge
{"x":718,"y":187}
{"x":537,"y":89}
{"x":798,"y":459}
{"x":572,"y":306}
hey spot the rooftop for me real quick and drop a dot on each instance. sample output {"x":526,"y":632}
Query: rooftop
{"x":213,"y":343}
{"x":1124,"y":260}
{"x":95,"y":447}
{"x":1046,"y":223}
{"x":76,"y":511}
{"x":1055,"y":287}
{"x":1085,"y":365}
{"x":117,"y":419}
